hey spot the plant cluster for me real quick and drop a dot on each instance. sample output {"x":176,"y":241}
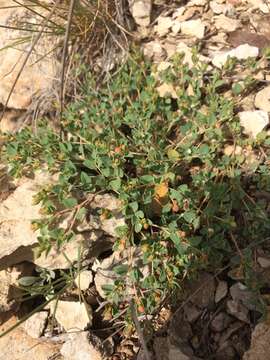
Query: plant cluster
{"x":188,"y":203}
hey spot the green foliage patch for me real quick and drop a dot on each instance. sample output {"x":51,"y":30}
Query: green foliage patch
{"x":186,"y":201}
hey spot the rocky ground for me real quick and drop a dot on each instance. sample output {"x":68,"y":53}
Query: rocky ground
{"x":216,"y":316}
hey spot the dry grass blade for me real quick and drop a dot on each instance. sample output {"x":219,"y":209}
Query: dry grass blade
{"x":64,"y":57}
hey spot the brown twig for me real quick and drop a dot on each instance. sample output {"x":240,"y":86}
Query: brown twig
{"x":139,"y":331}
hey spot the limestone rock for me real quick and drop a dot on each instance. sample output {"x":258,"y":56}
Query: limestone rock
{"x":259,"y":349}
{"x":72,"y":315}
{"x":42,"y":66}
{"x":239,"y":292}
{"x":227,"y":24}
{"x":35,"y":325}
{"x":17,"y":212}
{"x":154,"y":50}
{"x":84,"y":279}
{"x":262,"y":99}
{"x":242,"y":52}
{"x":239,"y":311}
{"x":18,"y":345}
{"x":11,"y":121}
{"x":10,"y":294}
{"x":164,"y":24}
{"x":221,"y":291}
{"x":141,"y":11}
{"x":78,"y":347}
{"x":167,"y":90}
{"x":193,"y":28}
{"x":253,"y":122}
{"x":264,"y":262}
{"x":220,"y":322}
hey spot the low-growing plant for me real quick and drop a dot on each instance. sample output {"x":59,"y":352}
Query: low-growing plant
{"x":188,"y":201}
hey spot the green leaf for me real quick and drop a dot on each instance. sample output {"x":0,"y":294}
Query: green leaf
{"x":146,"y":179}
{"x":189,"y":216}
{"x":115,"y":184}
{"x":173,"y":154}
{"x":134,"y":206}
{"x":121,"y":269}
{"x":107,"y":288}
{"x":28,"y":280}
{"x":237,"y":89}
{"x":70,"y":202}
{"x":177,"y":242}
{"x":138,"y":227}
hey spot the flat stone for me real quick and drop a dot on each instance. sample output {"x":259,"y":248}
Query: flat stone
{"x":253,"y":122}
{"x":35,"y":325}
{"x":167,"y":90}
{"x":242,"y":52}
{"x":238,"y":310}
{"x":262,"y":99}
{"x":264,"y":262}
{"x":141,"y":11}
{"x":240,"y":293}
{"x":220,"y":322}
{"x":19,"y":345}
{"x":191,"y":312}
{"x":17,"y":237}
{"x":78,"y":347}
{"x":84,"y":279}
{"x":164,"y":24}
{"x":260,"y":339}
{"x":193,"y":28}
{"x":42,"y":67}
{"x":221,"y":291}
{"x":72,"y":315}
{"x":227,"y":24}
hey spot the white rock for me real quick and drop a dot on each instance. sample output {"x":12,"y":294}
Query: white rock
{"x":167,"y":90}
{"x":253,"y":122}
{"x":141,"y":11}
{"x":242,"y":52}
{"x":184,"y":49}
{"x":164,"y":24}
{"x":10,"y":294}
{"x":18,"y":240}
{"x":262,"y":99}
{"x":227,"y":24}
{"x":179,"y":12}
{"x":194,"y":28}
{"x":154,"y":50}
{"x":259,"y":349}
{"x":226,"y":9}
{"x":84,"y":279}
{"x":262,"y":5}
{"x":35,"y":325}
{"x":72,"y":315}
{"x":176,"y":27}
{"x":216,"y":7}
{"x":17,"y":212}
{"x":78,"y":347}
{"x":197,"y":2}
{"x":17,"y":345}
{"x":42,"y":67}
